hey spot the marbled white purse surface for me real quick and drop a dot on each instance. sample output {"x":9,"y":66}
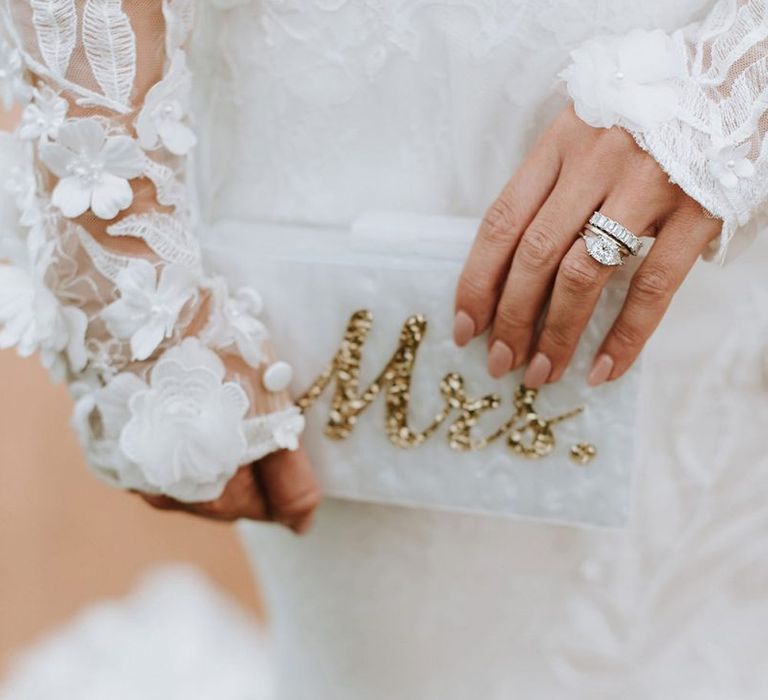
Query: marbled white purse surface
{"x":396,"y":413}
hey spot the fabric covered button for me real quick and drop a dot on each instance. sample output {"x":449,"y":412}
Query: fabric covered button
{"x":278,"y":376}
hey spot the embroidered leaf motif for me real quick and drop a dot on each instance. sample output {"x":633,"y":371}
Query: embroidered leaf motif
{"x":110,"y":46}
{"x":56,"y":27}
{"x":166,"y":235}
{"x":170,"y":191}
{"x":108,"y":264}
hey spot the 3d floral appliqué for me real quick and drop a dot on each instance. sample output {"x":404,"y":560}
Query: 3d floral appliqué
{"x":186,"y":427}
{"x":149,"y":304}
{"x":630,"y":80}
{"x":162,"y":119}
{"x":287,"y":432}
{"x":729,"y":164}
{"x":43,"y":117}
{"x":233,"y":323}
{"x":93,"y":168}
{"x":32,"y":319}
{"x":154,"y":408}
{"x":99,"y":416}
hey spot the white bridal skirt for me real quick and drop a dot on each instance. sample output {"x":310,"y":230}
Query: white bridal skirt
{"x":383,"y":601}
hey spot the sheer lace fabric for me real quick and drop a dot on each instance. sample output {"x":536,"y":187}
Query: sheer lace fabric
{"x":104,"y":275}
{"x":696,"y":100}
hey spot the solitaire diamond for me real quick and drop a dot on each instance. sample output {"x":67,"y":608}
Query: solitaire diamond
{"x":604,"y":250}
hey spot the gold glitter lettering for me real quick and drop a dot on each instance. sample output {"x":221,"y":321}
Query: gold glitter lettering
{"x":528,"y":434}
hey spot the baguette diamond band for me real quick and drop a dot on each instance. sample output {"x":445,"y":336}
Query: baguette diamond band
{"x":616,"y":231}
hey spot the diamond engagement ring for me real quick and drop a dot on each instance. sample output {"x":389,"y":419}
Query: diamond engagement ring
{"x":602,"y":247}
{"x":616,"y":231}
{"x":608,"y":241}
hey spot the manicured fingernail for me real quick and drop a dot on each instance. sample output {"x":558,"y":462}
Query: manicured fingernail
{"x":463,"y":328}
{"x":500,"y":359}
{"x":538,"y":371}
{"x":601,"y":370}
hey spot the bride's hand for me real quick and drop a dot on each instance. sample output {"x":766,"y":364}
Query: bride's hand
{"x":281,"y":487}
{"x":528,"y":252}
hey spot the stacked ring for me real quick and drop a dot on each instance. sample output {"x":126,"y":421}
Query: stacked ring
{"x":609,"y":242}
{"x":616,"y":231}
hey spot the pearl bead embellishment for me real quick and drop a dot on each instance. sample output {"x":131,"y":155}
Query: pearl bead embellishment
{"x":278,"y":376}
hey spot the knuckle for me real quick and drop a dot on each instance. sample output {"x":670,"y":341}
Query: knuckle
{"x":218,"y":509}
{"x":474,"y":291}
{"x":652,"y":286}
{"x":648,"y":171}
{"x":651,"y":186}
{"x":611,"y":149}
{"x":689,"y":216}
{"x":558,"y":338}
{"x":616,"y":138}
{"x":627,"y":336}
{"x":578,"y":274}
{"x":499,"y":224}
{"x":297,"y":505}
{"x":508,"y":323}
{"x":538,"y":246}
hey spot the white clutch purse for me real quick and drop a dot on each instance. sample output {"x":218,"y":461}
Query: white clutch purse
{"x":396,"y":413}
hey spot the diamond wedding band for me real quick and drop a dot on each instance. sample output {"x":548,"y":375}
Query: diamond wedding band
{"x":609,"y":242}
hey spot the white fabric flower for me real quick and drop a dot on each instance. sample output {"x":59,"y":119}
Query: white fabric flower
{"x":233,"y":322}
{"x":148,"y":307}
{"x":165,"y":109}
{"x":289,"y":429}
{"x":12,"y":85}
{"x":94,"y":169}
{"x":100,"y":436}
{"x":32,"y":318}
{"x":630,"y":80}
{"x":729,"y":164}
{"x":42,"y":118}
{"x":186,"y":428}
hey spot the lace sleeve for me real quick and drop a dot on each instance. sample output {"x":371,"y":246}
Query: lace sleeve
{"x":172,"y":375}
{"x":696,"y":100}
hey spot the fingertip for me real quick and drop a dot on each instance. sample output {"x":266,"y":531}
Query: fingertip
{"x":303,"y":525}
{"x":464,"y":328}
{"x":500,"y":359}
{"x":601,"y":370}
{"x":538,"y":371}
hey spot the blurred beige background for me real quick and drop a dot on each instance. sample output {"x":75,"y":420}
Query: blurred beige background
{"x":65,"y":538}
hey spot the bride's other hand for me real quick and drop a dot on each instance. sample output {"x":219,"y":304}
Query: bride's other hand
{"x":528,"y":253}
{"x":280,"y":487}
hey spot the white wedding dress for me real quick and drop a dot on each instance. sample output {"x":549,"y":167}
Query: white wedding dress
{"x":316,"y":112}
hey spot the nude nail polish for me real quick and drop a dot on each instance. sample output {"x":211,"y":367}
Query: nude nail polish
{"x":500,"y":359}
{"x":601,"y":370}
{"x":463,"y":328}
{"x":538,"y":371}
